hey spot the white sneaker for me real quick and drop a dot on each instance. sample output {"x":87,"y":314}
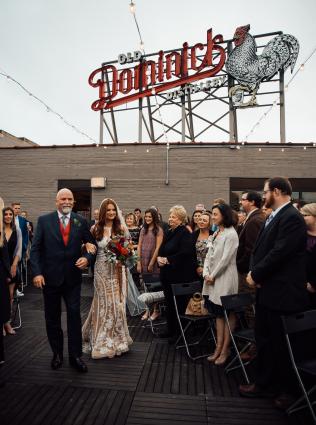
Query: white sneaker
{"x":19,"y":293}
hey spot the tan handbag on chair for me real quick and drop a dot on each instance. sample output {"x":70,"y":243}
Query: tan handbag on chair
{"x":195,"y":306}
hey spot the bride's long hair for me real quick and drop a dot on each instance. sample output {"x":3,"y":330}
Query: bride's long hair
{"x":1,"y":222}
{"x":99,"y":226}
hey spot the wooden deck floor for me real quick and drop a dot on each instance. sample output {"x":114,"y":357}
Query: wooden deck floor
{"x":152,"y":384}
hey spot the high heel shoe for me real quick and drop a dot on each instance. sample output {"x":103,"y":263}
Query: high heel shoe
{"x":9,"y":330}
{"x":145,"y":316}
{"x":215,"y":355}
{"x":222,"y":359}
{"x":154,"y":315}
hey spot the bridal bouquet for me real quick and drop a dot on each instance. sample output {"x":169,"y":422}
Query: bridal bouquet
{"x":121,"y":249}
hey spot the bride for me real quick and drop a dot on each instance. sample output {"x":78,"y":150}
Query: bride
{"x":105,"y":332}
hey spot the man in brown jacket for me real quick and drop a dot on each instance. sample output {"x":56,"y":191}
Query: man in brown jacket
{"x":251,"y":204}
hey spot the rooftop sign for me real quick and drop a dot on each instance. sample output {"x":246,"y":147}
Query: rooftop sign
{"x":162,"y":73}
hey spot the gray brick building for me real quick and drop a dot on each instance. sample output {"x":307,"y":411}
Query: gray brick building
{"x":141,"y":175}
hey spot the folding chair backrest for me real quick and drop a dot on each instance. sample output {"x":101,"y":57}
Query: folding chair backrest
{"x":186,"y":288}
{"x":236,"y":301}
{"x":299,"y":322}
{"x":150,"y":277}
{"x":152,"y":282}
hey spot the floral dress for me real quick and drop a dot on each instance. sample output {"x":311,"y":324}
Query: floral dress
{"x":105,"y":332}
{"x":201,"y":247}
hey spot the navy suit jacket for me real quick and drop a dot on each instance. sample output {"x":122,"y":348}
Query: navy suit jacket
{"x":25,"y":233}
{"x":53,"y":259}
{"x":278,"y":262}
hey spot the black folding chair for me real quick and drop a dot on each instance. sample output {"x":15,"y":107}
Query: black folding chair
{"x":152,"y":284}
{"x":295,"y":324}
{"x":238,"y":303}
{"x":181,"y":289}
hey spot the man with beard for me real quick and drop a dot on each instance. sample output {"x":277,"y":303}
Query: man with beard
{"x":277,"y":269}
{"x":56,"y":262}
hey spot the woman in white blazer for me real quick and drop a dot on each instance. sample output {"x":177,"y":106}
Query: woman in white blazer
{"x":221,"y":277}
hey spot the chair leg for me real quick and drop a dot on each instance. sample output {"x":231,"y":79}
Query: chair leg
{"x":17,"y":313}
{"x":305,"y":395}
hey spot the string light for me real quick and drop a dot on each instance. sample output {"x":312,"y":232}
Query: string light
{"x":275,"y":102}
{"x":132,"y":7}
{"x":48,"y":108}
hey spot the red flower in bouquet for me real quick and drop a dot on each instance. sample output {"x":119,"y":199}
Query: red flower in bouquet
{"x":120,"y":249}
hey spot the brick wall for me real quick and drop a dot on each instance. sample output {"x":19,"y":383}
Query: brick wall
{"x":197,"y":174}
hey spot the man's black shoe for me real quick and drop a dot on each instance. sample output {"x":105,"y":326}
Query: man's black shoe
{"x":284,"y":401}
{"x":57,"y":361}
{"x":253,"y":391}
{"x":164,"y":335}
{"x":79,"y":364}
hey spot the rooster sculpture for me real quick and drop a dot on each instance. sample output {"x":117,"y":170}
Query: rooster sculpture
{"x":249,"y":69}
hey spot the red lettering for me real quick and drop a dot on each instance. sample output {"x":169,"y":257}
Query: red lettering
{"x":125,"y":76}
{"x":176,"y":62}
{"x":184,"y":64}
{"x":193,"y":55}
{"x":110,"y":81}
{"x":152,"y":66}
{"x":160,"y":66}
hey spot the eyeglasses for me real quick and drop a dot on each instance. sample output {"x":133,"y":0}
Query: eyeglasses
{"x":266,"y":191}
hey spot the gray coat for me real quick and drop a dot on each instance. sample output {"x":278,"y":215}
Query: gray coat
{"x":220,"y":263}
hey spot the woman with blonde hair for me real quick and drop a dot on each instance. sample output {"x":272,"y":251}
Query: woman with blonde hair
{"x":309,"y":213}
{"x":105,"y":331}
{"x":176,"y":259}
{"x":4,"y":278}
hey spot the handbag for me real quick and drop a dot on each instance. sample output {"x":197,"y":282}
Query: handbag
{"x":195,"y":306}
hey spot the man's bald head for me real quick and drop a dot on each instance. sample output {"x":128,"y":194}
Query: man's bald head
{"x":64,"y":201}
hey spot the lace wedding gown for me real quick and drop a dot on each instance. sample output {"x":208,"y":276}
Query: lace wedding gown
{"x":105,"y":332}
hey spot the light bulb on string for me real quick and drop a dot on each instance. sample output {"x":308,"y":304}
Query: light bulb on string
{"x":302,"y":67}
{"x":282,"y":150}
{"x":259,"y":149}
{"x":142,"y":45}
{"x":304,"y":148}
{"x":132,"y":7}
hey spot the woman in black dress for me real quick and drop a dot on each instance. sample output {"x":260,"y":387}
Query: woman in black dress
{"x":13,"y":237}
{"x":176,"y":259}
{"x":4,"y":290}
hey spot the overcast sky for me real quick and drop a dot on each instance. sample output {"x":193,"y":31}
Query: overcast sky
{"x":51,"y":47}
